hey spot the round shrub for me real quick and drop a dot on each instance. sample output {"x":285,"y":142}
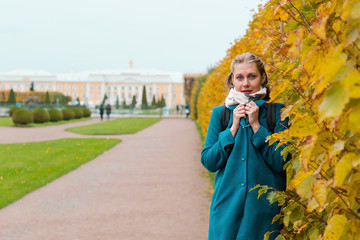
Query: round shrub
{"x":55,"y":115}
{"x":86,"y":112}
{"x":22,"y":116}
{"x":12,"y":110}
{"x":40,"y":116}
{"x":78,"y":113}
{"x":67,"y":114}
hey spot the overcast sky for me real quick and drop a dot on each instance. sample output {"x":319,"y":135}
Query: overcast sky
{"x":61,"y":36}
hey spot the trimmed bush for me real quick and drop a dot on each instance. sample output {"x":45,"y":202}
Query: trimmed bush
{"x":40,"y":116}
{"x":12,"y":110}
{"x":55,"y":115}
{"x":78,"y":113}
{"x":86,"y":112}
{"x":22,"y":116}
{"x":68,"y":114}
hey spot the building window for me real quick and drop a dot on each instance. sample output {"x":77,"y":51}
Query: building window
{"x":91,"y":87}
{"x":59,"y":86}
{"x":84,"y":87}
{"x":122,"y":88}
{"x":174,"y":95}
{"x":75,"y":86}
{"x":99,"y":87}
{"x":67,"y":86}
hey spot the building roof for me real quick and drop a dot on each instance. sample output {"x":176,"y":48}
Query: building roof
{"x":106,"y":75}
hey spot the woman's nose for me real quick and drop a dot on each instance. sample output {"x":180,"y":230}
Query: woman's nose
{"x":246,"y":82}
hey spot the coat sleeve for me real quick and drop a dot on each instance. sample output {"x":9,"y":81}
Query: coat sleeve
{"x":218,"y":144}
{"x":271,"y":156}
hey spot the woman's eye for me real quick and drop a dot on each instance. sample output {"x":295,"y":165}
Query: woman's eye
{"x":239,"y":77}
{"x":252,"y":76}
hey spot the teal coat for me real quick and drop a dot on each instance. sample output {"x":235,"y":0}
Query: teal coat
{"x":241,"y":163}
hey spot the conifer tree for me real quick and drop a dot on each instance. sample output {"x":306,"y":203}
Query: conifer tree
{"x":153,"y":103}
{"x":12,"y":98}
{"x":144,"y":104}
{"x":47,"y":98}
{"x":133,"y":103}
{"x":117,"y":104}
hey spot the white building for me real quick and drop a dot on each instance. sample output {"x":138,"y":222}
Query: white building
{"x":90,"y":87}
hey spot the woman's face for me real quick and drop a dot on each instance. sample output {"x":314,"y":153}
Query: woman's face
{"x":247,"y":78}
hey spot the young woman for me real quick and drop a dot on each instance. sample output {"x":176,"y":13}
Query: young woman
{"x":242,"y":158}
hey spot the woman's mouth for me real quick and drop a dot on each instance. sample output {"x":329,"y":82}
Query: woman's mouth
{"x":246,"y":91}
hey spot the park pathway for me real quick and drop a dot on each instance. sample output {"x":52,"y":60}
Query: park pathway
{"x":147,"y":187}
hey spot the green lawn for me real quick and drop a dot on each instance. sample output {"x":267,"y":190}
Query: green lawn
{"x":25,"y":167}
{"x":117,"y":126}
{"x":7,"y":122}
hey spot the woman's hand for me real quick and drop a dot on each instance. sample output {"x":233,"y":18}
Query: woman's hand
{"x":238,"y":113}
{"x":252,"y":110}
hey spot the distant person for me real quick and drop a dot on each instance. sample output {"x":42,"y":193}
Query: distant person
{"x":101,"y":112}
{"x":108,"y":111}
{"x":177,"y":109}
{"x":187,"y":111}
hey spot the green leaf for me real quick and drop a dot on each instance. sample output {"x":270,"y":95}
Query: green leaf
{"x":280,"y":237}
{"x":334,"y":101}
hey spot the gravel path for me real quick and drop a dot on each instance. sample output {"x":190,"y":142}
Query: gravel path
{"x":147,"y":187}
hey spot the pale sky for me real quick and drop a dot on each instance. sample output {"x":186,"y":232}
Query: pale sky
{"x":61,"y":36}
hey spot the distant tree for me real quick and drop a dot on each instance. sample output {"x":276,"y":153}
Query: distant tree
{"x":133,"y":102}
{"x":144,"y":104}
{"x":117,"y":104}
{"x":47,"y":98}
{"x":12,"y":98}
{"x":78,"y":101}
{"x":153,"y":103}
{"x":162,"y":101}
{"x":105,"y":98}
{"x":124,"y":104}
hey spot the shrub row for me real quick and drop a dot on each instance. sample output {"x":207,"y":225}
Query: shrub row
{"x":24,"y":116}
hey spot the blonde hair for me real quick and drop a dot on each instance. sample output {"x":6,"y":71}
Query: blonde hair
{"x":247,"y":57}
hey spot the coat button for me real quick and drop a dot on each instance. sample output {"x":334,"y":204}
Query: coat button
{"x":243,"y":158}
{"x":243,"y":184}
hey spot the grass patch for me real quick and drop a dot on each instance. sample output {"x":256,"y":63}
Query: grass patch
{"x":7,"y":122}
{"x":211,"y":175}
{"x":25,"y":167}
{"x":117,"y":126}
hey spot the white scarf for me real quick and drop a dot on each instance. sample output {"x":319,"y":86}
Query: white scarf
{"x":236,"y":97}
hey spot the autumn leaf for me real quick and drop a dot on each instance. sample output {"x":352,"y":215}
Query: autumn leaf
{"x":320,"y":191}
{"x":334,"y":101}
{"x":335,"y":227}
{"x":343,"y":168}
{"x":303,"y":126}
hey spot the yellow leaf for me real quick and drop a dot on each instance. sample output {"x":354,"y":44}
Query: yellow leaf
{"x":337,"y":25}
{"x":311,"y":61}
{"x":354,"y":119}
{"x":331,"y":65}
{"x":312,"y":205}
{"x":335,"y":227}
{"x":303,"y":126}
{"x":300,"y":176}
{"x":279,"y":88}
{"x":334,"y":101}
{"x":336,"y":148}
{"x":319,"y":26}
{"x":320,"y":191}
{"x":343,"y":168}
{"x":355,"y":11}
{"x":346,"y":9}
{"x":354,"y":185}
{"x":304,"y":189}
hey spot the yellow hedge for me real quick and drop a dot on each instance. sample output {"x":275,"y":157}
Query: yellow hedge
{"x":312,"y":52}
